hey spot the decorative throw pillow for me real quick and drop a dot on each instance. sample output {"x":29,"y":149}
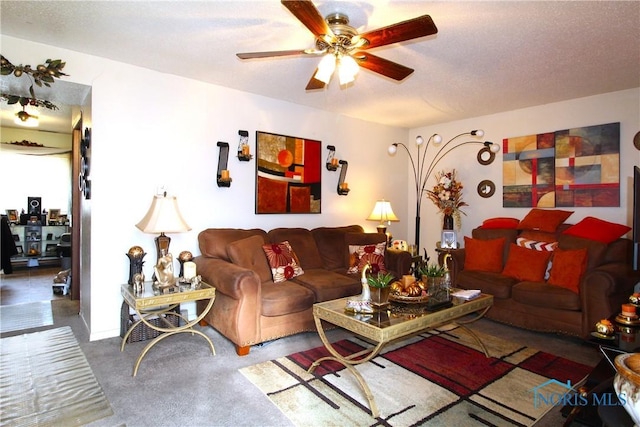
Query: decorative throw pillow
{"x":283,"y":261}
{"x":544,"y":220}
{"x":500,"y":222}
{"x":360,"y":255}
{"x":597,"y":229}
{"x":526,"y":264}
{"x":568,"y":268}
{"x":483,"y":255}
{"x":539,"y":246}
{"x":536,"y":245}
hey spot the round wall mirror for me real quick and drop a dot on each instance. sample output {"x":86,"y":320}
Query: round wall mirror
{"x":486,"y":188}
{"x":486,"y":156}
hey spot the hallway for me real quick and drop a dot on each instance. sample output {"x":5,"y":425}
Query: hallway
{"x":29,"y":285}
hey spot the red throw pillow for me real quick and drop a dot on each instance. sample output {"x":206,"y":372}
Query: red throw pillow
{"x":568,"y":268}
{"x":360,"y":255}
{"x":598,"y":230}
{"x":500,"y":222}
{"x":283,"y":261}
{"x":544,"y":220}
{"x":483,"y":255}
{"x":526,"y":264}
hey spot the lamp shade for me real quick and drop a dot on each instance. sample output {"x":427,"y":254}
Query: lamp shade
{"x":382,"y":212}
{"x":163,"y":217}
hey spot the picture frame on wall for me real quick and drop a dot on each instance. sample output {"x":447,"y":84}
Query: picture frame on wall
{"x":448,"y":240}
{"x":288,"y":174}
{"x":20,"y":251}
{"x":54,"y":214}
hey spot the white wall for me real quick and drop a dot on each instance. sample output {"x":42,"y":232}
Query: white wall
{"x":623,"y":107}
{"x":151,"y":129}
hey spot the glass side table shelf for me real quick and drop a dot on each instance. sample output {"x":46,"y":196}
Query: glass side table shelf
{"x":151,"y":304}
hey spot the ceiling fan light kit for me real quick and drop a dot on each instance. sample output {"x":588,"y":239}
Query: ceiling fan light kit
{"x":344,"y":48}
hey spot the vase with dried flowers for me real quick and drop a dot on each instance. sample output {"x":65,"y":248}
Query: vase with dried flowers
{"x":447,"y":196}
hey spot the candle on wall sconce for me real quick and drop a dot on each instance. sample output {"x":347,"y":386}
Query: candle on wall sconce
{"x":344,"y":186}
{"x":224,"y":175}
{"x":245,"y":150}
{"x":334,"y":161}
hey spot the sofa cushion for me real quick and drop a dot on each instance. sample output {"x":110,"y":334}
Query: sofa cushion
{"x":248,"y":253}
{"x":568,"y":268}
{"x":595,"y":250}
{"x":332,"y":245}
{"x":302,"y":242}
{"x":598,"y":230}
{"x":283,"y":261}
{"x":541,"y":294}
{"x":484,"y":255}
{"x":500,"y":222}
{"x":328,"y":285}
{"x":526,"y":264}
{"x":213,"y":241}
{"x":544,"y":219}
{"x":361,"y":255}
{"x":495,"y":284}
{"x":279,"y":299}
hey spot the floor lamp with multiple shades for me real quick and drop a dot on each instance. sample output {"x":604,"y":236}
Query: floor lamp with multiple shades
{"x":421,"y":174}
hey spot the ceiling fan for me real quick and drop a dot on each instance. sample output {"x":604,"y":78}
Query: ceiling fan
{"x":341,"y":45}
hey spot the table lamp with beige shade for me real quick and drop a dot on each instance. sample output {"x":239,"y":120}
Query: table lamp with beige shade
{"x":383,"y":212}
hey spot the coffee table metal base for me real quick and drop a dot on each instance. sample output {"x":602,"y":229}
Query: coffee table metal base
{"x":321,"y":314}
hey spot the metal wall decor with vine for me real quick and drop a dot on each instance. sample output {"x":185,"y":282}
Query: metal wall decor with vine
{"x":41,"y":75}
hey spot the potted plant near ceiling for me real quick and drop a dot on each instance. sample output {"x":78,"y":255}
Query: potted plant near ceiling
{"x":379,"y":288}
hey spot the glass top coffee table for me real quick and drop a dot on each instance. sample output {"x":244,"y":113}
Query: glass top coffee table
{"x":388,"y":325}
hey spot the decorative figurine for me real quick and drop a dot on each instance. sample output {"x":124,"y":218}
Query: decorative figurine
{"x":138,"y":284}
{"x":135,"y":254}
{"x":363,"y":304}
{"x":164,"y":272}
{"x":185,"y":256}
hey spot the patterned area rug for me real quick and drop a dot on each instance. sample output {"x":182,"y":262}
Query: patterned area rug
{"x":47,"y":381}
{"x":439,"y":379}
{"x":25,"y":316}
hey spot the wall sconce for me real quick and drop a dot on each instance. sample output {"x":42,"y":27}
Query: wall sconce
{"x":223,"y":179}
{"x":343,"y":187}
{"x":332,"y":160}
{"x":421,"y":174}
{"x":244,"y":151}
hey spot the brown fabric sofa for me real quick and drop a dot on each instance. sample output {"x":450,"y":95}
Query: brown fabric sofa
{"x":607,"y":282}
{"x":250,"y":308}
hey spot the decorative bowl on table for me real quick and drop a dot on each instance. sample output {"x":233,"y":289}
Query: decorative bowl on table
{"x":627,"y":384}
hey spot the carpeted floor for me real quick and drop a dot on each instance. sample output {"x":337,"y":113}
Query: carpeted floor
{"x":25,"y":316}
{"x":442,"y":379}
{"x":47,"y":381}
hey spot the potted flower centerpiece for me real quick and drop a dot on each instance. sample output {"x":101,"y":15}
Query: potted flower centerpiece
{"x":447,"y":196}
{"x":379,"y":288}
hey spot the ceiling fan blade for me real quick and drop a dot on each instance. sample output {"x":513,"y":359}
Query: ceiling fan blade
{"x":314,"y":83}
{"x":252,"y":55}
{"x":382,"y":66}
{"x":406,"y":30}
{"x":307,"y":13}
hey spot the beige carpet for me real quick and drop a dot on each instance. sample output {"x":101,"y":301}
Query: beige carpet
{"x":25,"y":316}
{"x":439,"y":379}
{"x":47,"y":381}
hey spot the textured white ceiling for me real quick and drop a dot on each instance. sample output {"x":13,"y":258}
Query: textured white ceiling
{"x":487,"y":57}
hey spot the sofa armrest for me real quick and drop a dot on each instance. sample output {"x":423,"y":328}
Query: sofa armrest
{"x":398,"y":261}
{"x":229,"y":279}
{"x":603,"y":290}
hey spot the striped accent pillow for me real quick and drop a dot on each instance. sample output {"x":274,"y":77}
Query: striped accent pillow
{"x":536,"y":244}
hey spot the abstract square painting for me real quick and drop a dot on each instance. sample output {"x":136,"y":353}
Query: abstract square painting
{"x":573,"y":167}
{"x":288,"y":174}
